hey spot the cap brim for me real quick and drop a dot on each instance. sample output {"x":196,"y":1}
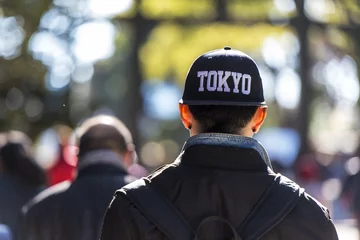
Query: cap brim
{"x":223,"y":103}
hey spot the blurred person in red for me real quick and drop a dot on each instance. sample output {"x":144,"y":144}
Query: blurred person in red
{"x":74,"y":211}
{"x":20,"y":177}
{"x":65,"y":165}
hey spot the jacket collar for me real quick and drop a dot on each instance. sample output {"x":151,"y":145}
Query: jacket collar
{"x":101,"y":156}
{"x":100,"y":162}
{"x":226,"y":151}
{"x":100,"y":169}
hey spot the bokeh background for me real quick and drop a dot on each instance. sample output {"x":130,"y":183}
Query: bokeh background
{"x":64,"y":60}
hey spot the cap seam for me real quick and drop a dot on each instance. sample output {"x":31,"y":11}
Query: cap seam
{"x":214,"y":102}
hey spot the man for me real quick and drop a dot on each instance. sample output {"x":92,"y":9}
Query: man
{"x":21,"y":178}
{"x":222,"y":184}
{"x":75,"y":211}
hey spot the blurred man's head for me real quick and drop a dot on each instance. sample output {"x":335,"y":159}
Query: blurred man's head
{"x":16,"y":158}
{"x":223,"y":93}
{"x":15,"y":137}
{"x":105,"y":133}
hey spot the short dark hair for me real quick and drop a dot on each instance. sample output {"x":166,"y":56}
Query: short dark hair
{"x":222,"y":119}
{"x":15,"y":161}
{"x":103,"y":132}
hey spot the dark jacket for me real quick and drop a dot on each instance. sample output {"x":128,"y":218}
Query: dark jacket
{"x":217,"y":175}
{"x":76,"y":211}
{"x":14,"y":193}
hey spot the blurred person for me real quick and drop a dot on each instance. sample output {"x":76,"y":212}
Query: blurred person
{"x":75,"y":211}
{"x":309,"y":175}
{"x":222,"y":184}
{"x":64,"y":168}
{"x":20,"y":178}
{"x":350,"y":195}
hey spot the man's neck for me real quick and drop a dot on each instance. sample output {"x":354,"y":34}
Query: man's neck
{"x":243,"y":132}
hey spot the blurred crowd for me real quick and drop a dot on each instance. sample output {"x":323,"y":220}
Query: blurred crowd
{"x":61,"y":188}
{"x":67,"y":194}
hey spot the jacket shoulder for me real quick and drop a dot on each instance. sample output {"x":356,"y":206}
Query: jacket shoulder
{"x":46,"y":196}
{"x":122,"y":203}
{"x":309,"y":219}
{"x":140,"y":182}
{"x":306,"y":202}
{"x":311,"y":204}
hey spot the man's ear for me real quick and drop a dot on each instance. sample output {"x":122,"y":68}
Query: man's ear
{"x":130,"y":156}
{"x":186,"y":116}
{"x":259,"y":118}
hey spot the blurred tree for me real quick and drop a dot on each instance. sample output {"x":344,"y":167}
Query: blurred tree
{"x":186,"y":29}
{"x":163,"y":37}
{"x":19,"y":70}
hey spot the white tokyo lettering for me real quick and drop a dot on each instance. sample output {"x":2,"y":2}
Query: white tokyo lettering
{"x":217,"y":81}
{"x":223,"y":81}
{"x":236,"y":77}
{"x":211,"y":85}
{"x":246,"y":84}
{"x":202,"y":74}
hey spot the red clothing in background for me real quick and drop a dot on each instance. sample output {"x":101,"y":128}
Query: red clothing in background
{"x":65,"y":167}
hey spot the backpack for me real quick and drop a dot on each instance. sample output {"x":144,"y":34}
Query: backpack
{"x":275,"y":204}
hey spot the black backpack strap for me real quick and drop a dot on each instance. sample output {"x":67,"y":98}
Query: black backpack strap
{"x":275,"y":204}
{"x":158,"y":209}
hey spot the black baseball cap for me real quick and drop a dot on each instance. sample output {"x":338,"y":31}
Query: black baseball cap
{"x":223,"y":77}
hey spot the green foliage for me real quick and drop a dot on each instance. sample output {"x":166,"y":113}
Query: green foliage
{"x":183,"y":29}
{"x":353,"y":8}
{"x":336,"y":13}
{"x":22,"y":72}
{"x":171,"y":9}
{"x":249,"y":9}
{"x":21,"y":68}
{"x":28,"y":14}
{"x":171,"y":48}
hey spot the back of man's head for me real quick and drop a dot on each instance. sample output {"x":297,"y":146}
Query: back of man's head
{"x":222,"y":119}
{"x":223,"y":93}
{"x":103,"y":132}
